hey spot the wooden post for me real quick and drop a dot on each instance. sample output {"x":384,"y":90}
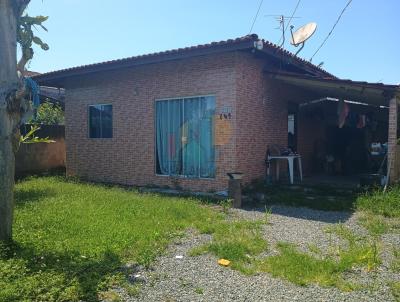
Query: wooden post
{"x":392,"y":140}
{"x":235,"y":192}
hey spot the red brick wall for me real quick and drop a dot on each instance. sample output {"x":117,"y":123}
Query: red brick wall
{"x":128,"y":158}
{"x":262,"y":114}
{"x":258,"y":107}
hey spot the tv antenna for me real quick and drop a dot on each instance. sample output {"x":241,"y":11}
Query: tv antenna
{"x":281,"y":19}
{"x":300,"y":36}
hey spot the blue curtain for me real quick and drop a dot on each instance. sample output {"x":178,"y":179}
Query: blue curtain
{"x":185,"y":137}
{"x":162,"y":137}
{"x":207,"y":149}
{"x":175,"y":137}
{"x":191,"y":137}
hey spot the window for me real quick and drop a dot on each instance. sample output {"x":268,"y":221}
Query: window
{"x":100,"y":121}
{"x":185,"y":137}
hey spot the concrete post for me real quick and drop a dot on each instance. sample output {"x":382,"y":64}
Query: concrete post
{"x":392,"y":140}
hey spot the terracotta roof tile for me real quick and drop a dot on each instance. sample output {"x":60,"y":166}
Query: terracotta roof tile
{"x":248,"y":38}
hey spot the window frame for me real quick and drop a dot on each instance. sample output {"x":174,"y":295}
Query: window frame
{"x":88,"y":120}
{"x":155,"y":136}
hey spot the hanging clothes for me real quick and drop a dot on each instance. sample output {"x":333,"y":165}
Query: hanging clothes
{"x":34,"y":88}
{"x":361,"y":121}
{"x":352,"y":119}
{"x":343,"y":112}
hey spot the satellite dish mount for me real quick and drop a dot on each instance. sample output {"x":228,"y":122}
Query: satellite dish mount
{"x":300,"y":36}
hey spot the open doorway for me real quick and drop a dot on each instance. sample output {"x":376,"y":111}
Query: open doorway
{"x":342,"y":139}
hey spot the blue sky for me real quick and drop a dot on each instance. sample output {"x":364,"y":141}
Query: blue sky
{"x":365,"y":45}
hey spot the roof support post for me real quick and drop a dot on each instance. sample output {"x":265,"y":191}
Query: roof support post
{"x":392,"y":141}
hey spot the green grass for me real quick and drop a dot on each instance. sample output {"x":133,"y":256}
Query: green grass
{"x":300,"y":268}
{"x":395,"y":288}
{"x":239,"y":242}
{"x":70,"y":239}
{"x":361,"y":250}
{"x":381,"y":211}
{"x":395,"y":266}
{"x":375,"y":224}
{"x":303,"y":268}
{"x":199,"y":290}
{"x":382,"y":203}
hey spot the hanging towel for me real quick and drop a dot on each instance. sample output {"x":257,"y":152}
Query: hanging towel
{"x":343,"y":111}
{"x":34,"y":88}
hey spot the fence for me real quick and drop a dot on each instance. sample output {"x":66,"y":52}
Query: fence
{"x":41,"y":157}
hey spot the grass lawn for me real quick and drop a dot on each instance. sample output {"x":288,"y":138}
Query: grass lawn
{"x":70,"y":239}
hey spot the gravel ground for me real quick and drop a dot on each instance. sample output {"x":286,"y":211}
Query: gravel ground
{"x":200,"y":278}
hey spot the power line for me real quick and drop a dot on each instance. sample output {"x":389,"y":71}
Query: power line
{"x":329,"y":34}
{"x":290,"y":20}
{"x":256,"y":16}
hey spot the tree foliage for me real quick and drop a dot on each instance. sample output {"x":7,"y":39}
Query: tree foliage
{"x":25,"y":37}
{"x":49,"y":113}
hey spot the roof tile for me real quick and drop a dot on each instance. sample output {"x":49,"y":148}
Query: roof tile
{"x":251,"y":37}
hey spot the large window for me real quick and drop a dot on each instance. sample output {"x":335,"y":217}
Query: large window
{"x":185,"y":137}
{"x":100,"y":121}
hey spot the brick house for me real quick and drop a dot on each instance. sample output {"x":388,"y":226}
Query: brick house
{"x":189,"y":116}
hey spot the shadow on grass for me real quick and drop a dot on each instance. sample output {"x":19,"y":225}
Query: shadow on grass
{"x":21,"y":175}
{"x":66,"y":276}
{"x":27,"y":195}
{"x":320,"y":202}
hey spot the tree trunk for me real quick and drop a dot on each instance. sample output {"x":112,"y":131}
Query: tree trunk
{"x":7,"y":164}
{"x":9,"y":116}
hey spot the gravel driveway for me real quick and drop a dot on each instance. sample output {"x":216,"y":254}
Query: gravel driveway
{"x":200,"y":278}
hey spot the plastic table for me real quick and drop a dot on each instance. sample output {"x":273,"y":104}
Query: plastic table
{"x":290,"y":159}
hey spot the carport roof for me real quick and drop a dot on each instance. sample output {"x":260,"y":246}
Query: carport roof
{"x":377,"y":94}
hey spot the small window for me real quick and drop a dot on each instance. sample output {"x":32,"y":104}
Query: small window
{"x":100,"y":121}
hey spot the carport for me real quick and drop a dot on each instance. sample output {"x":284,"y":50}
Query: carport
{"x":362,"y":96}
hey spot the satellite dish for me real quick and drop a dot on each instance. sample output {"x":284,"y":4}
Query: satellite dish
{"x":303,"y":33}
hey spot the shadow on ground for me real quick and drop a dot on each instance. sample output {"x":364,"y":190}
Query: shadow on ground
{"x":67,"y":276}
{"x":319,"y":202}
{"x":304,"y":213}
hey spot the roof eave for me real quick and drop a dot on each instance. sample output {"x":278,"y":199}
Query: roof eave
{"x":56,"y":78}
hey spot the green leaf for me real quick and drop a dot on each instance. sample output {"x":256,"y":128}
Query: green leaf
{"x":29,"y":138}
{"x":39,"y":42}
